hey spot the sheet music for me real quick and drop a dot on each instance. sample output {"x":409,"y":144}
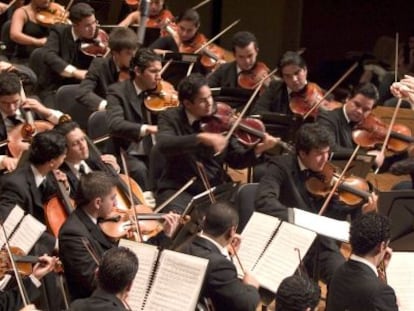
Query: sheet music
{"x":280,"y":259}
{"x":12,"y":220}
{"x":400,"y":276}
{"x":147,"y":256}
{"x":336,"y":229}
{"x":255,"y":236}
{"x":177,"y":283}
{"x":27,"y":233}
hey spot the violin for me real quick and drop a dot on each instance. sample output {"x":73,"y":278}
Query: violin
{"x":372,"y":132}
{"x":351,"y":191}
{"x":248,"y":79}
{"x":249,"y":132}
{"x":53,"y":14}
{"x":163,"y":97}
{"x":98,"y":46}
{"x":133,"y":3}
{"x":302,"y":102}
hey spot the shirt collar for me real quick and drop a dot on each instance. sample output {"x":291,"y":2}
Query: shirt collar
{"x":137,"y":89}
{"x":37,"y":176}
{"x":191,"y":118}
{"x":223,"y":250}
{"x":74,"y":36}
{"x":364,"y":261}
{"x":93,"y":219}
{"x":345,"y":114}
{"x":75,"y":167}
{"x":302,"y":166}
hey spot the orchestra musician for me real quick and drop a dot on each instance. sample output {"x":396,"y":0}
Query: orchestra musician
{"x":95,"y":199}
{"x":221,"y":285}
{"x":182,"y":142}
{"x":357,"y":284}
{"x":127,"y":116}
{"x":120,"y":264}
{"x":103,"y":72}
{"x":284,"y":186}
{"x":62,"y":61}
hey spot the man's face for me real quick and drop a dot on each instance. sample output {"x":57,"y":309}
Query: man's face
{"x":149,"y":78}
{"x":202,"y":105}
{"x":315,"y":159}
{"x":107,"y":204}
{"x":86,"y":28}
{"x":359,"y":107}
{"x":9,"y":104}
{"x":123,"y":57}
{"x":295,"y":77}
{"x":186,"y":30}
{"x":246,"y":57}
{"x":77,"y":146}
{"x":155,"y":7}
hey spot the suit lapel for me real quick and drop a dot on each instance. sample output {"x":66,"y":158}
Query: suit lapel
{"x":133,"y":99}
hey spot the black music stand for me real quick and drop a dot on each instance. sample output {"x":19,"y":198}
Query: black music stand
{"x":235,"y":97}
{"x":177,"y":70}
{"x":399,"y":207}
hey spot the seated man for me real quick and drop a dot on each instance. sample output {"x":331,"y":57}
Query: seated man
{"x":116,"y":272}
{"x":221,"y":283}
{"x":356,"y":285}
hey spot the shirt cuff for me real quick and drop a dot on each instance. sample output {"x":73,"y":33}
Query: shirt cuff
{"x":102,"y":105}
{"x":54,"y":116}
{"x":35,"y":281}
{"x":69,"y":71}
{"x":143,"y":130}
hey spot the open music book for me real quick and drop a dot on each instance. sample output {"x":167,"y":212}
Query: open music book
{"x":269,"y":249}
{"x":165,"y":280}
{"x":400,"y":276}
{"x":22,"y":231}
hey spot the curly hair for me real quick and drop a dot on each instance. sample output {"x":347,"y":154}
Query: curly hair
{"x":313,"y":136}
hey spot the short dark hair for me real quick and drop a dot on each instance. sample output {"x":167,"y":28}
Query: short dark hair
{"x":296,"y":293}
{"x":291,"y":58}
{"x":46,"y":146}
{"x":143,"y":58}
{"x":368,"y":90}
{"x":123,"y":38}
{"x":79,"y":11}
{"x":9,"y":83}
{"x":367,"y":231}
{"x":65,"y":128}
{"x":117,"y":269}
{"x":189,"y":87}
{"x":220,"y":217}
{"x":94,"y":185}
{"x":189,"y":15}
{"x":242,"y":39}
{"x":313,"y":136}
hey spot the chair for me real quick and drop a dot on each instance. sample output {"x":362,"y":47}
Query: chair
{"x":9,"y":45}
{"x":98,"y":127}
{"x":245,"y":198}
{"x":65,"y":101}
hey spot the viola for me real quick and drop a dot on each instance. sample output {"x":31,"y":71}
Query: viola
{"x":163,"y":97}
{"x":372,"y":132}
{"x":98,"y":46}
{"x":53,"y":14}
{"x":248,"y":79}
{"x":351,"y":191}
{"x":302,"y":102}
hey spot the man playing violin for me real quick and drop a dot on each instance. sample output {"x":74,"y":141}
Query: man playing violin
{"x":13,"y":116}
{"x":284,"y":186}
{"x":183,"y":143}
{"x":95,"y":200}
{"x":103,"y":72}
{"x":357,"y":284}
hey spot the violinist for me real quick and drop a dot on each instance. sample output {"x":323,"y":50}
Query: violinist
{"x":284,"y":186}
{"x":62,"y":61}
{"x":95,"y":199}
{"x":103,"y":72}
{"x":11,"y":109}
{"x":182,"y":141}
{"x":404,"y":89}
{"x":127,"y":116}
{"x":357,"y":284}
{"x":26,"y":31}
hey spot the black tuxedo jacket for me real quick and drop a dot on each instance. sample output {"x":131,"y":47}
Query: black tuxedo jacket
{"x":101,"y":74}
{"x":126,"y":114}
{"x":224,"y":76}
{"x":355,"y":287}
{"x":99,"y":301}
{"x":11,"y":300}
{"x":274,"y":99}
{"x":78,"y":263}
{"x":221,"y":283}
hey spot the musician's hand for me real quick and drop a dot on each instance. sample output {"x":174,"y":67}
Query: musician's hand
{"x":46,"y":265}
{"x":171,"y":223}
{"x":41,"y":41}
{"x":379,"y":157}
{"x":36,"y":106}
{"x":234,"y":245}
{"x":267,"y":143}
{"x":5,"y":66}
{"x":60,"y":176}
{"x":151,"y":129}
{"x":387,"y":256}
{"x":371,"y":205}
{"x":79,"y":74}
{"x":3,"y":7}
{"x":30,"y":307}
{"x":111,"y":160}
{"x":217,"y":141}
{"x":250,"y":280}
{"x":9,"y":163}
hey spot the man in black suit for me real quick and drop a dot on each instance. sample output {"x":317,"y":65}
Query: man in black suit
{"x":119,"y":264}
{"x":127,"y":117}
{"x":284,"y":186}
{"x":62,"y":62}
{"x":183,"y":144}
{"x":356,"y":285}
{"x":221,"y":283}
{"x":105,"y":71}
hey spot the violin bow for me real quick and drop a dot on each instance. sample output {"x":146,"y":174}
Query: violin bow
{"x":203,"y":175}
{"x":90,"y":250}
{"x":4,"y":143}
{"x":11,"y":3}
{"x":338,"y":181}
{"x":65,"y":14}
{"x":202,"y":3}
{"x":190,"y":68}
{"x":171,"y":198}
{"x":342,"y":78}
